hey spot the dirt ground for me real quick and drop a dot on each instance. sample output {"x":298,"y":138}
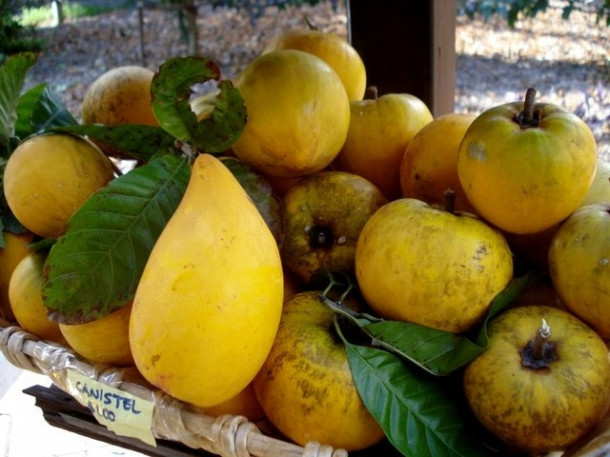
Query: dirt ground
{"x":567,"y":61}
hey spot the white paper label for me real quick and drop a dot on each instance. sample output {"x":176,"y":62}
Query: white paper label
{"x":121,"y":412}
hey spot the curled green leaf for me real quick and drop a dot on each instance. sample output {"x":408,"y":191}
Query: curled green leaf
{"x":171,"y":90}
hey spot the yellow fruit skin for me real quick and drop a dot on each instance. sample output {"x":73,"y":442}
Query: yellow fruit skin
{"x":208,"y":303}
{"x":379,"y":132}
{"x":298,"y":114}
{"x":526,"y":180}
{"x":25,"y":294}
{"x":48,"y":177}
{"x":104,"y":340}
{"x":336,"y":204}
{"x":599,"y":192}
{"x":244,"y":404}
{"x":429,"y":164}
{"x":120,"y":96}
{"x":539,"y":410}
{"x":306,"y":387}
{"x":334,"y":50}
{"x":579,"y":265}
{"x":14,"y":250}
{"x":426,"y":265}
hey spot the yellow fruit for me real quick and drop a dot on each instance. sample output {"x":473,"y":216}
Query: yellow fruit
{"x":429,"y":164}
{"x":298,"y":114}
{"x":325,"y":213}
{"x":527,"y":166}
{"x":333,"y":49}
{"x":120,"y":96}
{"x":380,"y":130}
{"x":306,"y":387}
{"x":48,"y":177}
{"x":599,"y":192}
{"x":579,"y":265}
{"x":244,"y":404}
{"x":15,"y":248}
{"x":104,"y":340}
{"x":543,"y":382}
{"x":208,"y":303}
{"x":25,"y":295}
{"x":430,"y":266}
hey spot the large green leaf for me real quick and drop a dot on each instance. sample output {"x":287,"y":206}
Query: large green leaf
{"x":436,"y":351}
{"x":417,"y":412}
{"x":171,"y":90}
{"x":12,"y":77}
{"x":131,"y":141}
{"x":39,"y":109}
{"x":94,"y":268}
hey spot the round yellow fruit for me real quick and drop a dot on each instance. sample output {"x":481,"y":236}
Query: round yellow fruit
{"x":120,"y":96}
{"x":429,"y":164}
{"x":14,"y":250}
{"x":579,"y":265}
{"x":325,"y":213}
{"x":298,"y":114}
{"x":526,"y":166}
{"x":306,"y":387}
{"x":333,"y":49}
{"x":25,"y":295}
{"x":48,"y":177}
{"x":430,"y":266}
{"x":104,"y":340}
{"x":543,"y":382}
{"x":380,"y":130}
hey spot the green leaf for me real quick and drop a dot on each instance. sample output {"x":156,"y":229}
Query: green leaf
{"x":417,"y":412}
{"x":505,"y":299}
{"x":12,"y":77}
{"x":171,"y":92}
{"x":260,"y":192}
{"x":41,"y":109}
{"x":436,"y":351}
{"x":132,"y":141}
{"x":94,"y":268}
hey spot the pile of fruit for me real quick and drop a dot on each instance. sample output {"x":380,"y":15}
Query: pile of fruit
{"x":293,"y":247}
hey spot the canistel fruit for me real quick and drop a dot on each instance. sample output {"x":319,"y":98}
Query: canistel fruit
{"x":208,"y":305}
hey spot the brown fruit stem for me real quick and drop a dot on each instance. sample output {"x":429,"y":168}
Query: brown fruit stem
{"x":529,"y":117}
{"x":449,"y":195}
{"x":539,"y":351}
{"x":372,"y":93}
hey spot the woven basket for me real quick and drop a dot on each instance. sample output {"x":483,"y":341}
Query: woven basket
{"x":226,"y":436}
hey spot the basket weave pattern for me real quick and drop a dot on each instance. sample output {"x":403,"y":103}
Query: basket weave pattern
{"x":226,"y":435}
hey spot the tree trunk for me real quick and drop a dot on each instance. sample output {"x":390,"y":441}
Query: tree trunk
{"x":190,"y":20}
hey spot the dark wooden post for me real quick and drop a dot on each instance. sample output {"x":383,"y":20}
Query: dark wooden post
{"x":407,"y":46}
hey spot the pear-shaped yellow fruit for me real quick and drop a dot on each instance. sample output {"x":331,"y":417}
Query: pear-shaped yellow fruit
{"x":209,"y":301}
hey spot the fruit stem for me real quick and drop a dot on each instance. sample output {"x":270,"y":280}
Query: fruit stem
{"x":542,"y":335}
{"x":529,"y":117}
{"x":372,"y":93}
{"x":539,"y":351}
{"x":449,"y":195}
